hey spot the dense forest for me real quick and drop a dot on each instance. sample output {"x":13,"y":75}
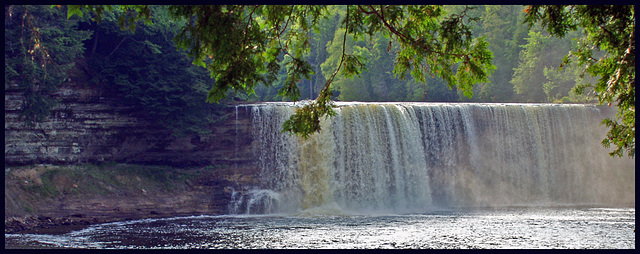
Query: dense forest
{"x":527,"y":63}
{"x":140,"y":68}
{"x":45,"y":47}
{"x":145,"y":69}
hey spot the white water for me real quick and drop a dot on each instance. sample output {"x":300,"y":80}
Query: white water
{"x":500,"y":228}
{"x":412,"y":157}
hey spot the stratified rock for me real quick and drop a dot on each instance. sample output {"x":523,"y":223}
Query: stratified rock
{"x":88,"y":126}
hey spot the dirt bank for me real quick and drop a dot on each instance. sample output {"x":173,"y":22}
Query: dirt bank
{"x":57,"y":199}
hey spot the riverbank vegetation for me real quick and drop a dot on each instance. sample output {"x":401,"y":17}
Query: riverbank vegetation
{"x":28,"y":187}
{"x":57,"y":198}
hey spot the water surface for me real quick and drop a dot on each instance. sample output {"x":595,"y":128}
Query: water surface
{"x":590,"y":228}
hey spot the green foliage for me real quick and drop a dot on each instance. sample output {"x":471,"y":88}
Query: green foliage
{"x":127,"y":18}
{"x":561,"y":83}
{"x":442,"y":45}
{"x":244,"y":43}
{"x":306,"y":120}
{"x":296,"y":69}
{"x":429,"y":44}
{"x":503,"y":30}
{"x":40,"y":48}
{"x":108,"y":178}
{"x":281,"y":52}
{"x":541,"y":75}
{"x":529,"y":75}
{"x":607,"y":28}
{"x":376,"y":81}
{"x":145,"y":70}
{"x":241,"y":47}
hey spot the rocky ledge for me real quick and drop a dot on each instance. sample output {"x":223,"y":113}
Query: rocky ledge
{"x":52,"y":182}
{"x":56,"y":199}
{"x":89,"y":126}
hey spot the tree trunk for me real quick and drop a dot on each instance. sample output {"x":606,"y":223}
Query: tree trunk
{"x":115,"y":49}
{"x":95,"y":45}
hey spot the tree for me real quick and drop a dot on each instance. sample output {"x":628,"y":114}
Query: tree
{"x":610,"y":29}
{"x":244,"y":45}
{"x":376,"y":82}
{"x":502,"y":24}
{"x":40,"y":48}
{"x":540,"y":54}
{"x":347,"y":87}
{"x":241,"y":45}
{"x":143,"y":68}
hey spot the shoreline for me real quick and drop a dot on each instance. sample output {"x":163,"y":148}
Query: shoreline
{"x":34,"y":224}
{"x":48,"y":199}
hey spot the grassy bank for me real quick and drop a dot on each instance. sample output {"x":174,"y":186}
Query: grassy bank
{"x":28,"y":187}
{"x":111,"y":191}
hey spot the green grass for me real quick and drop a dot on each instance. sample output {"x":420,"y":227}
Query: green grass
{"x":46,"y":189}
{"x":34,"y":187}
{"x":105,"y":179}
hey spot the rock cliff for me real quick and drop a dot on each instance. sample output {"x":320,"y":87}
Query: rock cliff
{"x":88,"y":126}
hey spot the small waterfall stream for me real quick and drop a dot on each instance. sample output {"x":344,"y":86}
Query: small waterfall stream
{"x":410,"y":157}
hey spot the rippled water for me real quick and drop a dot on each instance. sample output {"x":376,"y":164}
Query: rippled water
{"x":479,"y":228}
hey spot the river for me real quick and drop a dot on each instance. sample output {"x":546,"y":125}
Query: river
{"x":479,"y":228}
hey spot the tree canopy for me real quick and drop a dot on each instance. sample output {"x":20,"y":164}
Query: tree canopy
{"x":241,"y":47}
{"x":244,"y":42}
{"x":40,"y":47}
{"x":147,"y":72}
{"x":611,"y":30}
{"x":324,"y":53}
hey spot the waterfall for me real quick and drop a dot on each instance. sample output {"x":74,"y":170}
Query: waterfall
{"x":411,"y":157}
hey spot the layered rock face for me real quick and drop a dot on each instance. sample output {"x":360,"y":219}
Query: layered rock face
{"x":88,"y":126}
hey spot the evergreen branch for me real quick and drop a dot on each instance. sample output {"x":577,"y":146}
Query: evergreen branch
{"x":405,"y":38}
{"x":344,"y":42}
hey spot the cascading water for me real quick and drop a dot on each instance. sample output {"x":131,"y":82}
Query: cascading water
{"x":410,"y":157}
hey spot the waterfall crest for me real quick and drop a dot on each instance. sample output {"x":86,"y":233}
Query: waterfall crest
{"x":411,"y":157}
